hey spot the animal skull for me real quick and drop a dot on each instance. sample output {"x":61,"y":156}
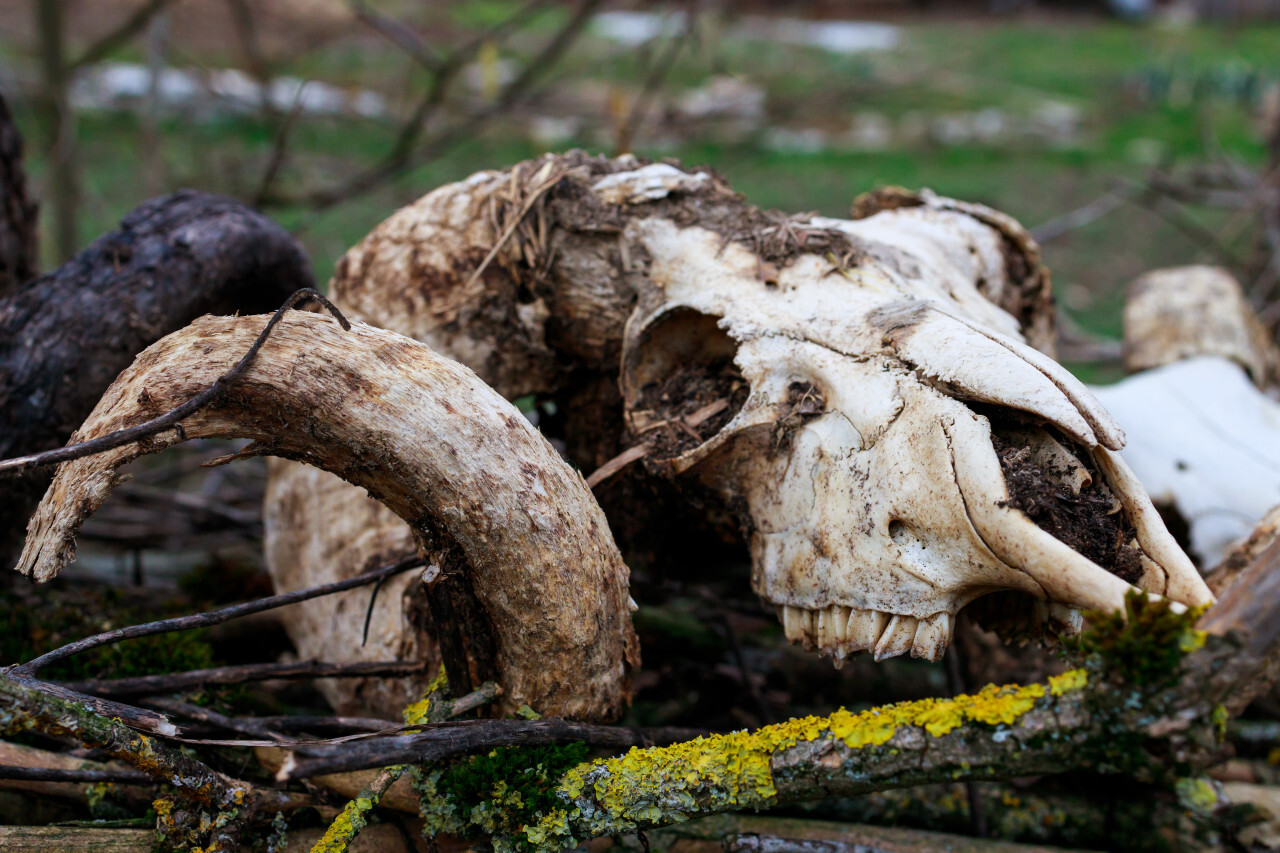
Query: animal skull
{"x":865,"y":411}
{"x":862,"y":393}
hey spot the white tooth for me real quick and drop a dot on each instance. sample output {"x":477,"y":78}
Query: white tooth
{"x":1071,"y":619}
{"x":839,"y":619}
{"x":1183,"y":583}
{"x":1064,"y":574}
{"x":825,"y":631}
{"x":797,"y":623}
{"x":897,"y":637}
{"x":865,"y":629}
{"x":791,"y":623}
{"x":932,"y":637}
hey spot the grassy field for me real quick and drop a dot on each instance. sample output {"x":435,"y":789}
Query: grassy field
{"x":1142,"y":95}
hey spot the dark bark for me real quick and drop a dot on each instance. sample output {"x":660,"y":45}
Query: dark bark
{"x":19,"y":257}
{"x":69,"y":333}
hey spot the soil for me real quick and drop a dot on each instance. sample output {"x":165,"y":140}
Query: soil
{"x":684,"y":392}
{"x":1090,"y":522}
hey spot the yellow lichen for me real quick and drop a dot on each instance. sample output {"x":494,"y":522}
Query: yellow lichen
{"x":418,"y":713}
{"x":1072,"y":680}
{"x":733,"y":770}
{"x":344,"y":827}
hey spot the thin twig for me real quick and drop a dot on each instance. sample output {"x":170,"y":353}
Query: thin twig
{"x":442,"y":741}
{"x":172,"y":418}
{"x":244,"y":725}
{"x":279,"y":149}
{"x":173,"y":682}
{"x":662,"y":66}
{"x":403,"y":158}
{"x":88,"y":777}
{"x":213,"y":617}
{"x":132,"y":25}
{"x":1084,"y":215}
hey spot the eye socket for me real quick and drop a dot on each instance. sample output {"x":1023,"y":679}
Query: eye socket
{"x":682,"y":385}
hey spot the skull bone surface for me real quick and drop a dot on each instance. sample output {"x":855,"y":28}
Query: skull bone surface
{"x":891,"y":446}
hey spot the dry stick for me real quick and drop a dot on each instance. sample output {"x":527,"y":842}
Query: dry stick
{"x":135,"y":718}
{"x":244,"y":725}
{"x":176,"y":681}
{"x":172,"y":418}
{"x":439,"y":742}
{"x":348,"y":824}
{"x":118,"y":37}
{"x":89,"y":777}
{"x":640,"y":451}
{"x":662,"y":66}
{"x":1085,"y":215}
{"x":279,"y":148}
{"x":25,"y":709}
{"x":214,"y":617}
{"x":548,"y":183}
{"x":398,"y":162}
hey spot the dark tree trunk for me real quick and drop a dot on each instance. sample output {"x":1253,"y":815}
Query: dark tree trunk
{"x":18,"y":246}
{"x":66,"y":336}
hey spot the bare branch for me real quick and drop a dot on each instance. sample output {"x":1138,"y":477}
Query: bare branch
{"x":214,"y":617}
{"x":441,"y":741}
{"x":121,"y":35}
{"x":403,"y":156}
{"x":173,"y":682}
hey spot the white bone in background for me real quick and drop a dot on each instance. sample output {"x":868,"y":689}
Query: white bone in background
{"x":1203,"y":438}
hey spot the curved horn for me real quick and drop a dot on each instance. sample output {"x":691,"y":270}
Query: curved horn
{"x":431,"y":441}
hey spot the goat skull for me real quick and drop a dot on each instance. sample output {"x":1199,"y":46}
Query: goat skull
{"x":854,"y":389}
{"x":874,"y":493}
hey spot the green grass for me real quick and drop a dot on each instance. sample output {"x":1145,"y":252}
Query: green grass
{"x":940,"y":67}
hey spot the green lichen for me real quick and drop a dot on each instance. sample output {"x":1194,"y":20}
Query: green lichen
{"x":1220,"y":719}
{"x":499,"y":793}
{"x":1143,"y":646}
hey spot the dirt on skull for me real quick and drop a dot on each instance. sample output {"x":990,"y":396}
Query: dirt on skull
{"x":1067,"y":497}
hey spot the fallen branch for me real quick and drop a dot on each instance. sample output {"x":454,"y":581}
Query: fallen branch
{"x":1144,"y":707}
{"x":213,"y":617}
{"x":173,"y":682}
{"x":444,"y":741}
{"x":89,"y":777}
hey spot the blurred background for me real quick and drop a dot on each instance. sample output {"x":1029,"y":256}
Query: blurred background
{"x":1129,"y":136}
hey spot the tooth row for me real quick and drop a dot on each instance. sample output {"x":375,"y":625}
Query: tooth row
{"x":842,"y":631}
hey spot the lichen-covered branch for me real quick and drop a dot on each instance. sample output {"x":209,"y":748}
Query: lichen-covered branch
{"x":1152,"y":701}
{"x":24,"y":709}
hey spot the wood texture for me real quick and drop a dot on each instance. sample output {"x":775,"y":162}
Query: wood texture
{"x":66,"y":335}
{"x":19,"y":248}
